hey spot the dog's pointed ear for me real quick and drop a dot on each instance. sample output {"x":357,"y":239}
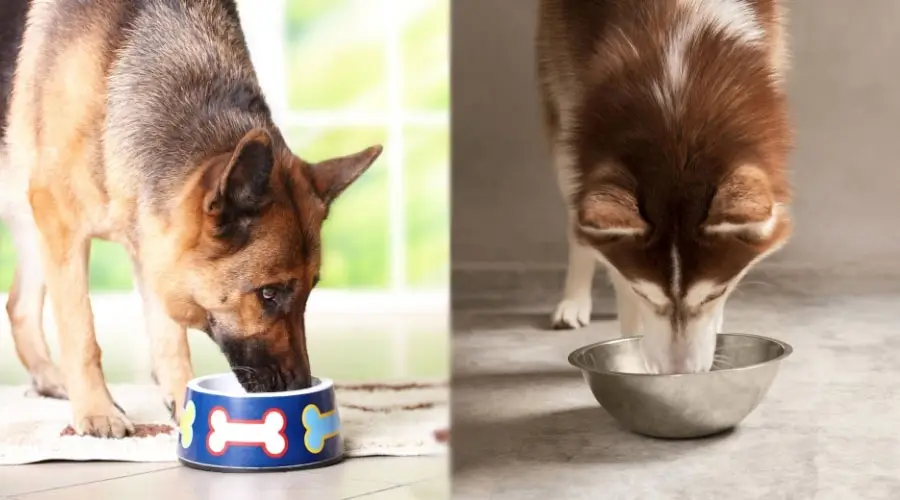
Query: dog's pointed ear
{"x":331,"y":177}
{"x":239,"y":185}
{"x":243,"y":185}
{"x":744,"y":205}
{"x":610,"y":211}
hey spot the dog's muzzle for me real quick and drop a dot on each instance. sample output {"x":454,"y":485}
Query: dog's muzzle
{"x":260,"y":370}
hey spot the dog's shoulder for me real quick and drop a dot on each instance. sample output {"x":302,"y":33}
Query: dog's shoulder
{"x":182,"y":88}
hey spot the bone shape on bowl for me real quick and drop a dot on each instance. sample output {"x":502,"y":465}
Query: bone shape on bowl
{"x":319,"y":427}
{"x":267,"y":433}
{"x":186,"y":424}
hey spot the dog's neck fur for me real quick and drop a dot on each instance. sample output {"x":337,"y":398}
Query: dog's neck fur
{"x":203,"y":101}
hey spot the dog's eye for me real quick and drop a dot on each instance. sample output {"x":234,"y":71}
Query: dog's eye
{"x":713,"y":296}
{"x":268,"y":293}
{"x":645,"y":297}
{"x":641,"y":295}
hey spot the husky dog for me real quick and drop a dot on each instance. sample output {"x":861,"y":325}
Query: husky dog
{"x":668,"y":126}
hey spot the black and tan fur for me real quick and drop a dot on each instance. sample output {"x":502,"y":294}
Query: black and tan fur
{"x":142,"y":122}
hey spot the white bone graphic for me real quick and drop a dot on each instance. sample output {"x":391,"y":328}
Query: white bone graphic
{"x":267,"y":433}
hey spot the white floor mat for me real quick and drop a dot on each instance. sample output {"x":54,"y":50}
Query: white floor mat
{"x":377,"y":420}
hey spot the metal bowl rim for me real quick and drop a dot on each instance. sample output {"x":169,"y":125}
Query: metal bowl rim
{"x":786,"y":348}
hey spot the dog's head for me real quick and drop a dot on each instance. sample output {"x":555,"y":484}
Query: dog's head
{"x":679,"y":258}
{"x":245,"y":274}
{"x":681,"y":159}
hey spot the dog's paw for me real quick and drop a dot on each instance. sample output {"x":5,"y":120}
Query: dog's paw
{"x":572,"y":313}
{"x":174,"y":409}
{"x":48,"y":382}
{"x":109,"y":424}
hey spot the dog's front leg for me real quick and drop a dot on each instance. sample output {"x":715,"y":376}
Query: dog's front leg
{"x":66,"y":253}
{"x":574,"y":311}
{"x":170,"y":353}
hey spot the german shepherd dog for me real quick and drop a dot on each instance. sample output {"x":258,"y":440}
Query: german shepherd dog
{"x":668,"y":125}
{"x":142,"y":122}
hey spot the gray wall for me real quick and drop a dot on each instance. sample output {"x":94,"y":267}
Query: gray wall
{"x":845,"y":93}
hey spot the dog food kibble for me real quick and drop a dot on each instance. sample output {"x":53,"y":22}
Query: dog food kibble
{"x":442,"y":435}
{"x":140,"y":430}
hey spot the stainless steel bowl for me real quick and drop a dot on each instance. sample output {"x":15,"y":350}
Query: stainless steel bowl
{"x":681,"y":406}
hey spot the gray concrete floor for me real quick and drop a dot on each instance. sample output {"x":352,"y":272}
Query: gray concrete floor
{"x":526,"y":426}
{"x":356,"y":347}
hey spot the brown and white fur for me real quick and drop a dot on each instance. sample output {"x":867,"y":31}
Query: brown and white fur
{"x":669,"y":131}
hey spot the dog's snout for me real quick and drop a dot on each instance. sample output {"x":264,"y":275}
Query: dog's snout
{"x":279,"y":375}
{"x":262,"y":367}
{"x":271,"y":379}
{"x":674,"y":365}
{"x":302,"y":382}
{"x":664,"y":356}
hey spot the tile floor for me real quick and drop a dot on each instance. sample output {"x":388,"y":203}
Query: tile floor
{"x":367,"y":478}
{"x":526,"y":426}
{"x":346,"y":347}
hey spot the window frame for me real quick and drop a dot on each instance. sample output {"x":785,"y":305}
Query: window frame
{"x":269,"y":59}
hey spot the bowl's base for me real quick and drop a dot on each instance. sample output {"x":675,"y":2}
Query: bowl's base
{"x":685,"y":437}
{"x":218,"y":468}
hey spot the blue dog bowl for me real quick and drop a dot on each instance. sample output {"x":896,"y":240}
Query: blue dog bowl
{"x":224,"y":428}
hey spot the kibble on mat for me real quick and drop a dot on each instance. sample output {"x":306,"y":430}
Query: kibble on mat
{"x":140,"y":430}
